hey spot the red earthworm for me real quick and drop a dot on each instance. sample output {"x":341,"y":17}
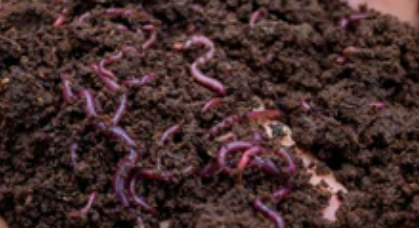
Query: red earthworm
{"x":204,"y":41}
{"x":119,"y":12}
{"x":291,"y":168}
{"x":170,"y":131}
{"x":139,"y":201}
{"x":227,"y":137}
{"x":121,"y":27}
{"x":211,"y":104}
{"x":267,"y":166}
{"x":111,"y":84}
{"x":121,"y":110}
{"x":73,"y":153}
{"x":265,"y":114}
{"x":83,"y":17}
{"x":281,"y":193}
{"x":210,"y":83}
{"x":129,"y":48}
{"x":378,"y":105}
{"x":140,"y":82}
{"x":119,"y":183}
{"x":245,"y":158}
{"x":119,"y":180}
{"x":166,"y":175}
{"x":268,"y":212}
{"x":346,"y":54}
{"x":85,"y":209}
{"x":235,"y":146}
{"x":66,"y":88}
{"x":153,"y":37}
{"x":105,"y":72}
{"x":120,"y":134}
{"x":255,"y":16}
{"x":113,"y":58}
{"x":352,"y":18}
{"x":209,"y":170}
{"x":304,"y":105}
{"x":61,"y":19}
{"x":90,"y":106}
{"x":227,"y":122}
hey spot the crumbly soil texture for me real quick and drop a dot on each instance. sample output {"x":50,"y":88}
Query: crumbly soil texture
{"x":358,"y":115}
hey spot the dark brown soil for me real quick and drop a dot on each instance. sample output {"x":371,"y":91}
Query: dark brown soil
{"x":374,"y":152}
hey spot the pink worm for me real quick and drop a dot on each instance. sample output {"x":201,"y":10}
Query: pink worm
{"x":111,"y":84}
{"x":66,"y":88}
{"x":172,"y":130}
{"x":85,"y":209}
{"x":90,"y":106}
{"x":61,"y":19}
{"x":255,"y":16}
{"x":139,"y":201}
{"x":119,"y":180}
{"x":153,"y":36}
{"x":268,"y":212}
{"x":235,"y":146}
{"x":245,"y":158}
{"x":118,"y":12}
{"x":83,"y":17}
{"x":352,"y":18}
{"x":378,"y":105}
{"x":121,"y":110}
{"x":140,"y":82}
{"x":73,"y":153}
{"x":120,"y":134}
{"x":211,"y":104}
{"x":105,"y":72}
{"x":210,"y":83}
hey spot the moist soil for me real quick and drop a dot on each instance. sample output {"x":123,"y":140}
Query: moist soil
{"x":288,"y":57}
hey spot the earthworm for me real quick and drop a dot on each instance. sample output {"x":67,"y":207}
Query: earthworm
{"x":281,"y":193}
{"x":85,"y":209}
{"x":265,"y":114}
{"x":378,"y":105}
{"x":109,"y":83}
{"x":172,"y":130}
{"x":66,"y":88}
{"x":204,"y":41}
{"x":129,"y":48}
{"x":119,"y":184}
{"x":269,"y":213}
{"x":245,"y":158}
{"x":153,"y":37}
{"x":105,"y":72}
{"x":210,"y":83}
{"x":255,"y":16}
{"x":304,"y":105}
{"x":118,"y":12}
{"x":61,"y":18}
{"x":83,"y":17}
{"x":120,"y":134}
{"x":209,"y":170}
{"x":227,"y":122}
{"x":138,"y":200}
{"x":90,"y":106}
{"x":267,"y":166}
{"x":166,"y":175}
{"x":211,"y":104}
{"x":227,"y":137}
{"x":346,"y":54}
{"x":73,"y":153}
{"x":113,"y":58}
{"x":291,"y":168}
{"x":140,"y":82}
{"x":235,"y":146}
{"x":121,"y":110}
{"x":352,"y":18}
{"x":119,"y":180}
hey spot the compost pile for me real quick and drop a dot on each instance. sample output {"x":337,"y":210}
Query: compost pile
{"x":128,"y":106}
